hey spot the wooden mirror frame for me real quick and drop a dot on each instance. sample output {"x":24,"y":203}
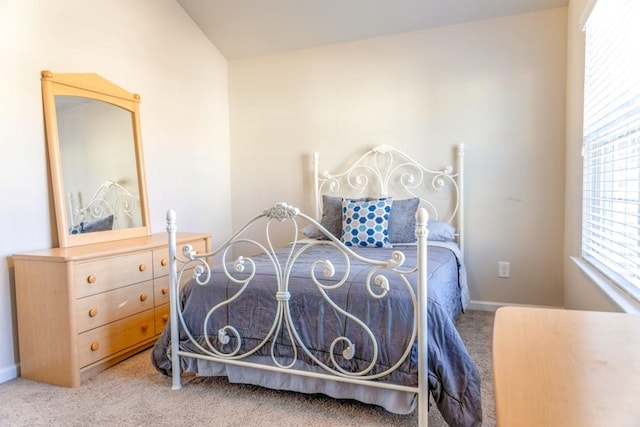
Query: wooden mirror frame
{"x":94,"y":87}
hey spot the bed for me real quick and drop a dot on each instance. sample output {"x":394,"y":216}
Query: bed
{"x":337,"y":309}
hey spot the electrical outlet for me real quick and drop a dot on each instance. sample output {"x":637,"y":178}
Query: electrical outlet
{"x":504,"y":269}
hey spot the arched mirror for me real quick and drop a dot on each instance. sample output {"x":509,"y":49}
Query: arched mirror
{"x":95,"y":153}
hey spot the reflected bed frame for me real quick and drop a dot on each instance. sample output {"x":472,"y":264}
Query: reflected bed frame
{"x":111,"y":198}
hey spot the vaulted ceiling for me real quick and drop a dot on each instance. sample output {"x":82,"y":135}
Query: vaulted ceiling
{"x":246,"y":28}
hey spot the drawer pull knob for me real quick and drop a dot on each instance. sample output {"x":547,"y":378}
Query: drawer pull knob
{"x":164,"y":262}
{"x":142,"y":267}
{"x":144,"y":326}
{"x":93,"y":312}
{"x":164,"y":290}
{"x":91,"y":278}
{"x":143,"y":297}
{"x":95,"y":346}
{"x":165,"y":317}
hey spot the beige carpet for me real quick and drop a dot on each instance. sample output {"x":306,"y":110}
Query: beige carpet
{"x":132,"y":393}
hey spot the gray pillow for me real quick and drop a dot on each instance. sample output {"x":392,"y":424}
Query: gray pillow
{"x":440,"y":231}
{"x":331,"y":215}
{"x":402,"y":220}
{"x":101,"y":224}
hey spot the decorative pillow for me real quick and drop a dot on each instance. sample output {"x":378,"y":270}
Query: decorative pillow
{"x":402,"y":220}
{"x":440,"y":231}
{"x":365,"y":223}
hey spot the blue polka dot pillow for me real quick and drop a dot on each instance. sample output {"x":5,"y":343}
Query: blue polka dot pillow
{"x":365,"y":223}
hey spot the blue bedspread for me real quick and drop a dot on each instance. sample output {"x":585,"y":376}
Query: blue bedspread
{"x":454,"y":381}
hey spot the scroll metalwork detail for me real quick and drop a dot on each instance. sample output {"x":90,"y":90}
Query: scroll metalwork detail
{"x":384,"y":171}
{"x":281,"y":211}
{"x":227,"y":343}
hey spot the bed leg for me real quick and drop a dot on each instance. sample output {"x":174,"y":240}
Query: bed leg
{"x":422,"y":217}
{"x":173,"y":298}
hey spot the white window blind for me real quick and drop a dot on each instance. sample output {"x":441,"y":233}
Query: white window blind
{"x":611,"y":143}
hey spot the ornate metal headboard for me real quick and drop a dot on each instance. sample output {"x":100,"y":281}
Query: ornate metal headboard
{"x":385,"y":171}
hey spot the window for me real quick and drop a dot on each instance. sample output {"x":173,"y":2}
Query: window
{"x":611,"y":143}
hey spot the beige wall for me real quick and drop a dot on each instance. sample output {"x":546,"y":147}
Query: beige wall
{"x":496,"y":85}
{"x":150,"y":47}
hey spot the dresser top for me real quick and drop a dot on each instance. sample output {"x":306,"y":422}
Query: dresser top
{"x":115,"y":247}
{"x":555,"y":367}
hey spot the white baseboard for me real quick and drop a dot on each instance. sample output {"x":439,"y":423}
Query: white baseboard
{"x":8,"y":373}
{"x":493,"y":306}
{"x":484,"y":305}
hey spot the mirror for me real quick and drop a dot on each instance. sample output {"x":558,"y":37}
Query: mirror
{"x":95,"y":155}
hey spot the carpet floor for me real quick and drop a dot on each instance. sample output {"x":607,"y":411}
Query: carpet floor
{"x":133,"y":393}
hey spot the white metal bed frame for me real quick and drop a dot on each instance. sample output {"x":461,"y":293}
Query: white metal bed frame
{"x":384,"y":167}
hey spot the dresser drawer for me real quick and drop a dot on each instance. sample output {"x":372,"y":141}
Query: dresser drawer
{"x":105,"y":274}
{"x":101,"y":342}
{"x":97,"y":310}
{"x":161,"y":256}
{"x":161,"y":290}
{"x":162,"y":317}
{"x":161,"y":287}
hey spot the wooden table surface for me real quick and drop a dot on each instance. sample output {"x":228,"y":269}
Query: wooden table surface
{"x":555,"y":367}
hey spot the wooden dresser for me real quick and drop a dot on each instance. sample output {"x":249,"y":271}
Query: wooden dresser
{"x":84,"y":308}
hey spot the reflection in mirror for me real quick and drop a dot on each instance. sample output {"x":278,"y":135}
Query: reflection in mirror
{"x":95,"y":153}
{"x":98,"y":165}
